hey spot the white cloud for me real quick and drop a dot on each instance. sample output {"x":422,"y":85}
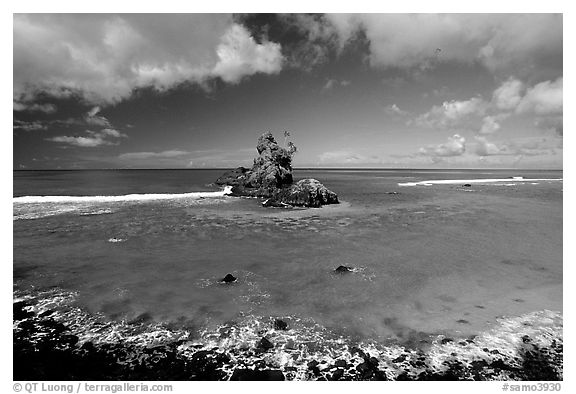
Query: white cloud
{"x":551,"y":123}
{"x":332,"y":83}
{"x":29,"y":107}
{"x":103,"y":57}
{"x":543,"y":102}
{"x":93,"y":119}
{"x":499,"y":41}
{"x":343,"y":157}
{"x":455,"y":146}
{"x":508,"y":95}
{"x":108,"y":132}
{"x":394,"y":110}
{"x":489,"y":125}
{"x":239,"y":55}
{"x":150,"y":155}
{"x":452,"y":114}
{"x":487,"y":148}
{"x":544,"y":98}
{"x":95,"y":138}
{"x":84,"y":142}
{"x":28,"y":126}
{"x":519,"y":148}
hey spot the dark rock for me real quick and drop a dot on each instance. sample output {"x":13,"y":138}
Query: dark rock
{"x":18,"y":311}
{"x":446,"y":340}
{"x":343,"y":270}
{"x":399,"y":359}
{"x":337,"y":375}
{"x":233,"y":177}
{"x":252,"y":375}
{"x":206,"y":365}
{"x":467,"y":185}
{"x":312,"y":364}
{"x":273,"y":168}
{"x":229,"y":278}
{"x":280,"y":325}
{"x":341,"y":363}
{"x":265,"y":344}
{"x":141,"y":319}
{"x":306,"y":193}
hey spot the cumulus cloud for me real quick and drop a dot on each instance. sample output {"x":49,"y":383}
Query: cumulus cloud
{"x":487,"y":148}
{"x":544,"y":98}
{"x":455,"y":146}
{"x":518,"y":148}
{"x":508,"y":95}
{"x":498,"y":41}
{"x":543,"y":102}
{"x":551,"y":123}
{"x":452,"y":114}
{"x":103,"y":58}
{"x":489,"y":125}
{"x":239,"y":55}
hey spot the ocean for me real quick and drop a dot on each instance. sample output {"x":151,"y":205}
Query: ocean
{"x":136,"y":257}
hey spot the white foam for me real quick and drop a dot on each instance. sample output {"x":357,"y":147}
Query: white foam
{"x":124,"y":198}
{"x":464,"y":181}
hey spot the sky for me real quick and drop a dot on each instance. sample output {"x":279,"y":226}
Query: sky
{"x":352,"y":90}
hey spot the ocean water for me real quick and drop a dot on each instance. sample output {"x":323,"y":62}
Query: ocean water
{"x":436,"y":258}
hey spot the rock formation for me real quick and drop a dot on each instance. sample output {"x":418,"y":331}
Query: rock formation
{"x":271,"y":177}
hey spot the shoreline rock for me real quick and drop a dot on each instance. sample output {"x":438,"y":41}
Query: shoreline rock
{"x":53,"y":345}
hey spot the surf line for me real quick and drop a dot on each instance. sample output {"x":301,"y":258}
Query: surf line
{"x":127,"y":197}
{"x":461,"y":181}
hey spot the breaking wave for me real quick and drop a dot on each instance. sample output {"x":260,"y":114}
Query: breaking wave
{"x":124,"y":198}
{"x":36,"y":207}
{"x":463,"y":181}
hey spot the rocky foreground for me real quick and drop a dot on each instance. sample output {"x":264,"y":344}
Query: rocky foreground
{"x":271,"y":178}
{"x":56,"y":340}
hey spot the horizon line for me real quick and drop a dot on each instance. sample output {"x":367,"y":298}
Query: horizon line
{"x":294,"y":168}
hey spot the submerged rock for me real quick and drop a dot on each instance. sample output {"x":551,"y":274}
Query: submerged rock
{"x":229,"y":278}
{"x":265,"y":344}
{"x":342,"y":269}
{"x":280,"y":325}
{"x":271,"y":177}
